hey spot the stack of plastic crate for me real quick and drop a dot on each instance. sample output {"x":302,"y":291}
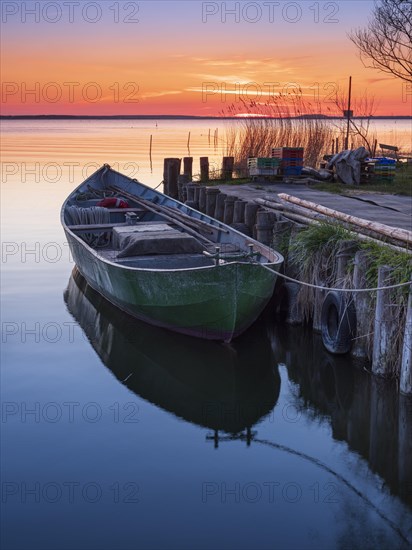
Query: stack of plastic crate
{"x":263,"y":166}
{"x":291,"y":160}
{"x":383,"y":169}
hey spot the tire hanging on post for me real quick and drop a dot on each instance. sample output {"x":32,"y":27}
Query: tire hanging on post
{"x":338,"y":323}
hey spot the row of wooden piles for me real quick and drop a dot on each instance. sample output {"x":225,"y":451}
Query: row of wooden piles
{"x":384,"y":329}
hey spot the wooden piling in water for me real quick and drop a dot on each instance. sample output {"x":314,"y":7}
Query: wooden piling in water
{"x":363,"y":306}
{"x":229,"y":208}
{"x":239,"y":212}
{"x":220,"y":207}
{"x":204,"y":169}
{"x":202,"y":198}
{"x":188,"y":167}
{"x":211,"y":197}
{"x":264,"y":226}
{"x":171,"y":170}
{"x":405,"y":380}
{"x":251,"y":210}
{"x":182,"y":181}
{"x":385,"y":325}
{"x":190,"y":191}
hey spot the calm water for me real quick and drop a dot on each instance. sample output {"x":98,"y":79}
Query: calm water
{"x":116,"y":435}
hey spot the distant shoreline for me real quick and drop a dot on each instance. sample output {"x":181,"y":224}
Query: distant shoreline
{"x":184,"y":117}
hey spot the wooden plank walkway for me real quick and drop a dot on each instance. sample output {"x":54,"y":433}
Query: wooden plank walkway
{"x":393,"y":210}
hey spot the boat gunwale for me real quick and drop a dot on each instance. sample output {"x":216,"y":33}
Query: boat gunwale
{"x":119,"y":265}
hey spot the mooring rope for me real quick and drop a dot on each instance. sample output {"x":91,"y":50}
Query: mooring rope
{"x":282,"y":275}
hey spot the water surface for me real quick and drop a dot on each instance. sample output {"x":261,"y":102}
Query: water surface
{"x":119,"y":435}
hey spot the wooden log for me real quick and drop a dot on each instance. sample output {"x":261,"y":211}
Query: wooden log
{"x":220,"y":207}
{"x":211,"y":197}
{"x":363,"y":306}
{"x":400,"y":234}
{"x":227,"y":167}
{"x":300,"y":210}
{"x":188,"y":167}
{"x":386,"y":315}
{"x":239,"y":212}
{"x":405,"y":381}
{"x":317,"y":218}
{"x":204,"y":169}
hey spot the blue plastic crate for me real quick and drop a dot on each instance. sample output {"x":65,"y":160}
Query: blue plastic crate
{"x":292,"y":170}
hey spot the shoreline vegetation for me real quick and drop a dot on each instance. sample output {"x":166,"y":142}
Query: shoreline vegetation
{"x":195,"y":117}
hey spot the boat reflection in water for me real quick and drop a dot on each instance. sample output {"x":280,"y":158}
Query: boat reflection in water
{"x":363,"y":410}
{"x":214,"y":385}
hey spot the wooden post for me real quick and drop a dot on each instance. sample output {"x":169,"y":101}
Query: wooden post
{"x":182,"y":181}
{"x":220,"y":206}
{"x":405,"y":382}
{"x":333,"y":146}
{"x":188,"y":143}
{"x":191,"y":191}
{"x":173,"y":171}
{"x":229,"y":208}
{"x":150,"y":152}
{"x":239,"y":212}
{"x":227,"y":167}
{"x":348,"y":114}
{"x":202,"y":198}
{"x":204,"y":169}
{"x":251,"y":211}
{"x":337,"y":146}
{"x":188,"y":167}
{"x":264,"y":226}
{"x":385,"y":326}
{"x":211,"y":196}
{"x":363,"y":306}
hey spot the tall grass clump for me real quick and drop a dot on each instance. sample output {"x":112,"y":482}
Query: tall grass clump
{"x":288,"y":120}
{"x":313,"y":255}
{"x":285,"y":121}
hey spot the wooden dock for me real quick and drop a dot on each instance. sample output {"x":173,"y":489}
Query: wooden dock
{"x":393,"y":210}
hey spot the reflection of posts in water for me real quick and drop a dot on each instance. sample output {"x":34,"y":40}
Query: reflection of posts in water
{"x":405,"y":448}
{"x":383,"y":446}
{"x":364,"y":410}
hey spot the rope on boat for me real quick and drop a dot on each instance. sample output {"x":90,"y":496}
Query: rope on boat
{"x":92,"y":215}
{"x":376,"y":289}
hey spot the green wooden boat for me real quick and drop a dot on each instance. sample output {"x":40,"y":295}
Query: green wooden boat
{"x":164,"y":262}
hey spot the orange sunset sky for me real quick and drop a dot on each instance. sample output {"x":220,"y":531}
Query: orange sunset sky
{"x":184,"y":57}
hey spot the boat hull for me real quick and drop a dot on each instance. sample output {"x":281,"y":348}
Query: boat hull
{"x":216,"y":303}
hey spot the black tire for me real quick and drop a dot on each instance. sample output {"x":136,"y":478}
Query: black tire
{"x":338,"y":322}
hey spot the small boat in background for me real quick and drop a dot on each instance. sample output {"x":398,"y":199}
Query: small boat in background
{"x":164,"y":262}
